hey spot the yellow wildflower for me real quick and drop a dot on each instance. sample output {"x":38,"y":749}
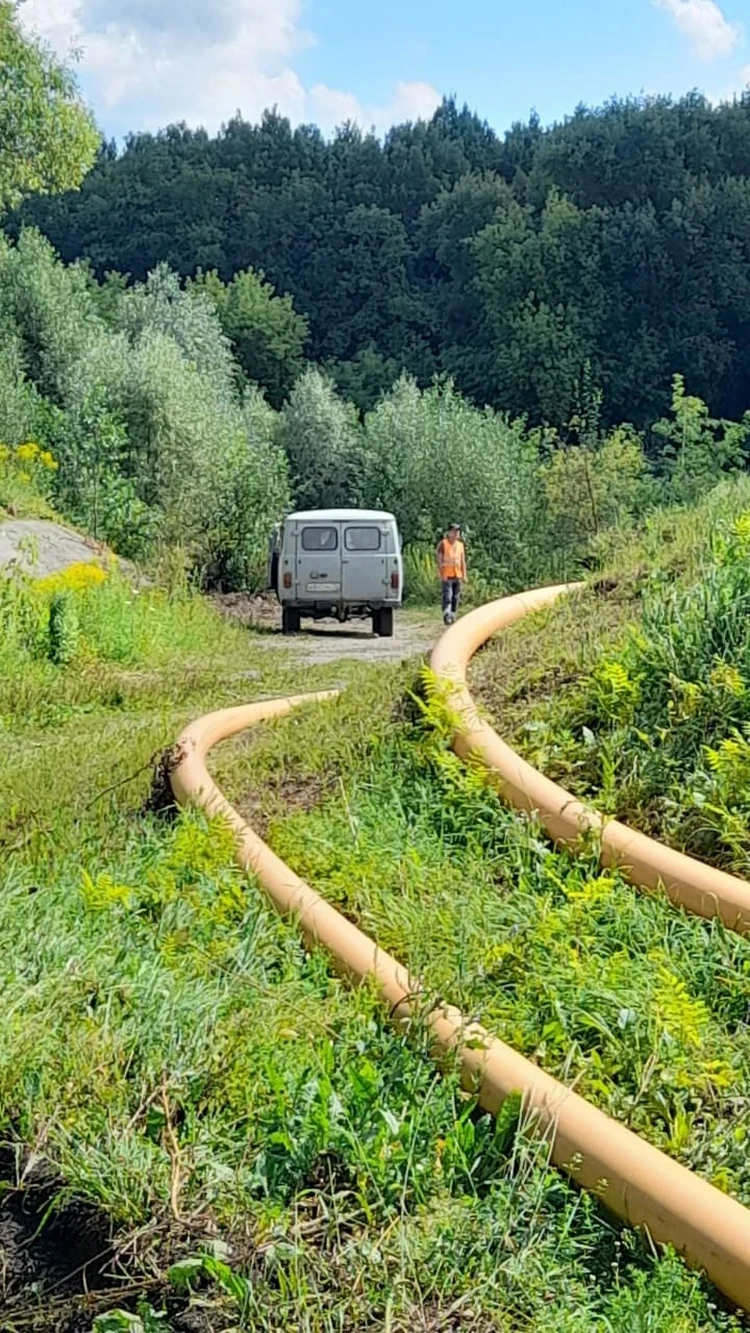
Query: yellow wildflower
{"x":592,"y":892}
{"x":103,"y":892}
{"x":728,"y":679}
{"x":741,"y":531}
{"x":76,"y":578}
{"x":686,"y":696}
{"x":731,"y":759}
{"x":26,"y":453}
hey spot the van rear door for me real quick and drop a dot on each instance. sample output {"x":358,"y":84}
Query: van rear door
{"x":318,"y":562}
{"x":365,"y":558}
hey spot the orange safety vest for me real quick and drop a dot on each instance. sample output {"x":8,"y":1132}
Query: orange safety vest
{"x":451,"y":558}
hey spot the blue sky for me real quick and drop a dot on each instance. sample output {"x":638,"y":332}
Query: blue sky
{"x":145,"y":63}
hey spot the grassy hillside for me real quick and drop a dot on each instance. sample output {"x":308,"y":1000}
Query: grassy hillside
{"x":181,"y":1085}
{"x":648,"y":714}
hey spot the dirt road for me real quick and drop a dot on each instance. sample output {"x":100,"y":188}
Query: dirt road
{"x":323,"y":641}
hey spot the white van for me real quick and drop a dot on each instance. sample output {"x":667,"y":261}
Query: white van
{"x":337,"y":562}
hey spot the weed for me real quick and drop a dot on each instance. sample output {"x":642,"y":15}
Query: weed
{"x":658,"y":732}
{"x":26,"y":472}
{"x":63,"y":629}
{"x":145,"y":1320}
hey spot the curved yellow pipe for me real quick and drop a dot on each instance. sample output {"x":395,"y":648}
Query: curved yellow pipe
{"x":699,"y":888}
{"x":634,"y":1180}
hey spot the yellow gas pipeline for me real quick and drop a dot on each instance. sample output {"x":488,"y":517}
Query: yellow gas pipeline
{"x":634,"y":1180}
{"x":649,"y":864}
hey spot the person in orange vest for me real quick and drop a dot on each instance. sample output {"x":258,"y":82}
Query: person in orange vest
{"x":451,"y":563}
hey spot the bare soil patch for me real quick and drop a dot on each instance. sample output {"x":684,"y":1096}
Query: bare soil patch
{"x":323,"y":641}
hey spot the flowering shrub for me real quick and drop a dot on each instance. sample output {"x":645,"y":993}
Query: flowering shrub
{"x":26,"y":474}
{"x":76,"y":578}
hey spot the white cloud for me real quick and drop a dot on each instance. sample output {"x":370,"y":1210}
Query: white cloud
{"x":146,"y":63}
{"x":414,"y":101}
{"x":704,"y":23}
{"x":739,"y":85}
{"x":411,"y":101}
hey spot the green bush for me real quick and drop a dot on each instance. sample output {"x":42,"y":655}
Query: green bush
{"x":660,"y":733}
{"x":138,"y":398}
{"x":253,"y":493}
{"x":421,"y":582}
{"x":321,"y":437}
{"x":697,"y":450}
{"x":433,"y":458}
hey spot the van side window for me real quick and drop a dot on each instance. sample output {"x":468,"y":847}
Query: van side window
{"x":362,"y":539}
{"x":319,"y":539}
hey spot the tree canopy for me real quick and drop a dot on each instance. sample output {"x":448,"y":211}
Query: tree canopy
{"x":615,"y":244}
{"x":48,"y":140}
{"x":266,"y":334}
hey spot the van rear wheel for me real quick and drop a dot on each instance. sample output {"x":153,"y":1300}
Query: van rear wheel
{"x":382,"y":622}
{"x":290,"y":620}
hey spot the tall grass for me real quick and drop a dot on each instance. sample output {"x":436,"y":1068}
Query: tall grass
{"x":659,"y":733}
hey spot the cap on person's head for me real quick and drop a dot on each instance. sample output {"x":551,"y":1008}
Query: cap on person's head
{"x":454,"y":527}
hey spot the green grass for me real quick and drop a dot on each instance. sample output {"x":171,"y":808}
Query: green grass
{"x":642,"y":1006}
{"x":653,"y":726}
{"x":169,"y":1047}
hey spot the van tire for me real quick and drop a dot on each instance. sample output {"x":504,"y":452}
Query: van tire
{"x":290,"y":620}
{"x":382,"y":622}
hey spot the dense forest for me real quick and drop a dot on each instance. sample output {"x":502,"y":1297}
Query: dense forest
{"x":613,"y":246}
{"x":155,"y":438}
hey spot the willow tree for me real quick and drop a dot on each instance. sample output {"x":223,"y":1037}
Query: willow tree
{"x":48,"y":140}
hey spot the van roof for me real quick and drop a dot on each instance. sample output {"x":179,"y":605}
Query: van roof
{"x":341,"y":516}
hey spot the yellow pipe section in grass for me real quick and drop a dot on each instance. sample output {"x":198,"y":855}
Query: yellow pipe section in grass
{"x":697,"y":887}
{"x":634,"y":1180}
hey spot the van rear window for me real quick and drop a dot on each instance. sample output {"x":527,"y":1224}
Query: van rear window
{"x":362,"y":539}
{"x":320,"y":539}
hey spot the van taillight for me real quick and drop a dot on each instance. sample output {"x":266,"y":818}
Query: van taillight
{"x":287,"y":580}
{"x":394,"y":580}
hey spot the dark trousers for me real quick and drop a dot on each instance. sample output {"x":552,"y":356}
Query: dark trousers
{"x":451,"y":595}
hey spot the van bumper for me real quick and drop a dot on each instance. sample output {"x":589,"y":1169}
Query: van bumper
{"x":339,"y":610}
